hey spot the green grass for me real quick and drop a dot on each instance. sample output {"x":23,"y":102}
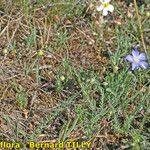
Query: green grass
{"x":86,"y":105}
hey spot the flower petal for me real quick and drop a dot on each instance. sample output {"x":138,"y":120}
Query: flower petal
{"x":105,"y":12}
{"x":129,"y":58}
{"x":135,"y":66}
{"x":100,"y":8}
{"x":105,"y":1}
{"x":110,"y":8}
{"x":142,"y":56}
{"x":135,"y":53}
{"x":143,"y":64}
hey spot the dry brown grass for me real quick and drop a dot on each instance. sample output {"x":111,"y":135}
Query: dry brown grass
{"x":85,"y":45}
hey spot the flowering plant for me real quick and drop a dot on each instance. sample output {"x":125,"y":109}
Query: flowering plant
{"x":137,"y":60}
{"x":105,"y":7}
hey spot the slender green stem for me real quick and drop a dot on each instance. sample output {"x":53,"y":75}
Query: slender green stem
{"x":25,"y":7}
{"x":37,"y":71}
{"x":140,"y":25}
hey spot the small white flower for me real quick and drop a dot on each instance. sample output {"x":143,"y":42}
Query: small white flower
{"x":105,"y":7}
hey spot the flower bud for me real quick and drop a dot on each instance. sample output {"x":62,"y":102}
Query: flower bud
{"x":148,"y":14}
{"x":92,"y":81}
{"x":62,"y":78}
{"x":40,"y":53}
{"x":116,"y":69}
{"x":5,"y":51}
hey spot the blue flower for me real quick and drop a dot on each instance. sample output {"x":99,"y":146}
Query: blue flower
{"x":137,"y":59}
